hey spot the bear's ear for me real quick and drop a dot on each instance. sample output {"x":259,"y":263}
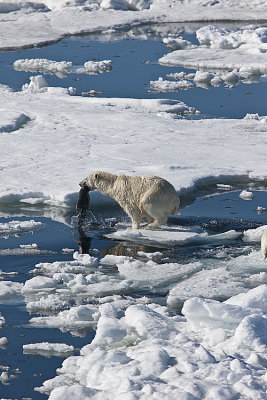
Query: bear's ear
{"x":96,"y":176}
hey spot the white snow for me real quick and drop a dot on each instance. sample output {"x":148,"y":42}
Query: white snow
{"x":11,"y":120}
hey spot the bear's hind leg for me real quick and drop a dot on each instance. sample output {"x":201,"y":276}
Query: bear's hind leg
{"x":149,"y":220}
{"x":156,"y":223}
{"x":154,"y":211}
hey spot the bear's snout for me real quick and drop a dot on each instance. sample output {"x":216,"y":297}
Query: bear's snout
{"x":84,"y":184}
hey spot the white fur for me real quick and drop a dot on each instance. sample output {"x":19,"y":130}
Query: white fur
{"x":264,"y":243}
{"x":141,"y":197}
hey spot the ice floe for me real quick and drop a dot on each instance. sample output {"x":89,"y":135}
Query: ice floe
{"x":37,"y":84}
{"x":151,"y":273}
{"x":215,"y":350}
{"x":2,"y":320}
{"x":37,"y":23}
{"x":169,"y":237}
{"x":9,"y":290}
{"x":26,"y":249}
{"x":59,"y":285}
{"x":50,"y":303}
{"x":3,"y":341}
{"x":206,"y":79}
{"x":256,"y":117}
{"x":48,"y":349}
{"x":254,"y":235}
{"x":60,"y":68}
{"x":176,"y":43}
{"x":94,"y":67}
{"x":75,"y":319}
{"x":47,"y":106}
{"x":18,"y":227}
{"x":246,"y":195}
{"x":142,"y":349}
{"x":43,"y":65}
{"x":166,"y":85}
{"x":241,"y":55}
{"x":222,"y":282}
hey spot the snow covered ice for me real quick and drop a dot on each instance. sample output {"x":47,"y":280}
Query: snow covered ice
{"x":189,"y":326}
{"x":43,"y":182}
{"x":147,"y":352}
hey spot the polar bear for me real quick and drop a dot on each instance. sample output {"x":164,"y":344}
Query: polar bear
{"x":141,"y":197}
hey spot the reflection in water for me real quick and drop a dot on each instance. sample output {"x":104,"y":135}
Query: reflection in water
{"x":134,"y":251}
{"x":84,"y":242}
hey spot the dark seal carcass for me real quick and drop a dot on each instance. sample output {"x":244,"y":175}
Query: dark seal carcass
{"x":83,"y":202}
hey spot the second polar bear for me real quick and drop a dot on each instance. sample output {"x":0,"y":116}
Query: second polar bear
{"x":141,"y":197}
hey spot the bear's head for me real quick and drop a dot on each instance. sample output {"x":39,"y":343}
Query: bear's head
{"x":98,"y":180}
{"x":89,"y":181}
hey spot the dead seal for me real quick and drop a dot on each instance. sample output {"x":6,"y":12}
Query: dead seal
{"x":83,"y":202}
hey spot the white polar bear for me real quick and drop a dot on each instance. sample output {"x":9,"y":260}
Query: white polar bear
{"x":141,"y":197}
